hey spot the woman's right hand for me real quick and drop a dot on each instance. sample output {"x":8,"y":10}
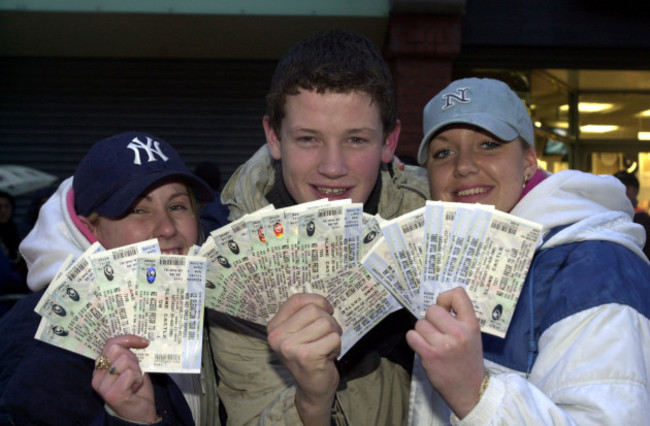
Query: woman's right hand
{"x":448,"y":340}
{"x":123,"y":387}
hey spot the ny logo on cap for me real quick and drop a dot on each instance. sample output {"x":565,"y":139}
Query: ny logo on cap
{"x":136,"y":145}
{"x":452,"y":98}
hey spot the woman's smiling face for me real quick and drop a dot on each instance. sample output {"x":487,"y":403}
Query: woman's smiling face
{"x":469,"y":165}
{"x":165,"y":212}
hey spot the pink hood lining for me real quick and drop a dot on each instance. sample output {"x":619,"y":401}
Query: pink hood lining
{"x":75,"y":219}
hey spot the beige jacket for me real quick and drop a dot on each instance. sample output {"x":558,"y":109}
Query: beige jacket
{"x":254,"y":387}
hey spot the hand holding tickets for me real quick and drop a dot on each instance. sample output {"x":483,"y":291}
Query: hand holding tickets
{"x":129,"y":290}
{"x":444,"y":245}
{"x":365,"y":266}
{"x":258,"y":261}
{"x":335,"y":250}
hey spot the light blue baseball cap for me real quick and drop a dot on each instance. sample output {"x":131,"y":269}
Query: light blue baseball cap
{"x":482,"y":102}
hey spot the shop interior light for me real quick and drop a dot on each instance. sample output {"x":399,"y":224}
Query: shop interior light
{"x":645,"y":113}
{"x":632,"y":167}
{"x":589,"y":107}
{"x":598,"y":128}
{"x":644,"y":136}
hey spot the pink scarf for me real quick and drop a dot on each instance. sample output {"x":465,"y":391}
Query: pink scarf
{"x":538,"y":177}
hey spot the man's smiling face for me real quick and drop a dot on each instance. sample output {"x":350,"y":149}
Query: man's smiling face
{"x":331,"y":145}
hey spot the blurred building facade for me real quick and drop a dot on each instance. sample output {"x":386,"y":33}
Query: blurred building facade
{"x":196,"y":72}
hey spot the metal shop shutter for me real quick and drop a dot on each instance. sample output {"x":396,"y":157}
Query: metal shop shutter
{"x":53,"y":110}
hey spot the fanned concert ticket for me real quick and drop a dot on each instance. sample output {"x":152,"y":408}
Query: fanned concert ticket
{"x":367,"y":267}
{"x":445,"y":245}
{"x":129,"y":290}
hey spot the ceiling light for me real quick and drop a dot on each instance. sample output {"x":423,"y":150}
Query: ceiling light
{"x":632,"y":168}
{"x":598,"y":128}
{"x":644,"y":136}
{"x":645,"y":113}
{"x":589,"y":107}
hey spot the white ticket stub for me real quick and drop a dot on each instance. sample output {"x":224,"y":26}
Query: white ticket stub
{"x":482,"y":249}
{"x":444,"y":245}
{"x":499,"y":270}
{"x":130,"y":289}
{"x":224,"y":291}
{"x":257,"y":262}
{"x":169,"y":299}
{"x":404,"y":237}
{"x":359,"y":302}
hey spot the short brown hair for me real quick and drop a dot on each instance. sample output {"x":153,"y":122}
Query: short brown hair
{"x":333,"y":61}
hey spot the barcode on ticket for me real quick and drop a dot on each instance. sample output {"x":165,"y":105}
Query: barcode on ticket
{"x":505,"y":227}
{"x":165,"y":359}
{"x":172,"y":261}
{"x":416,"y":224}
{"x":126,"y":252}
{"x":334,"y":211}
{"x":77,"y":269}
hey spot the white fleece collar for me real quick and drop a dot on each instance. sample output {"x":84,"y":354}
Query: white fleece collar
{"x":594,"y":207}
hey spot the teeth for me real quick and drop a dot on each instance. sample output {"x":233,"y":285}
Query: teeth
{"x":331,"y":191}
{"x":472,"y":191}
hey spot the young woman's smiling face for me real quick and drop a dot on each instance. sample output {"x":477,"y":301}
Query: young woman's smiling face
{"x":165,"y":212}
{"x":469,"y":165}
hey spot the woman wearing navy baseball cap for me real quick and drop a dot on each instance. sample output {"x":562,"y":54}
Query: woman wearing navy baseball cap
{"x":130,"y":187}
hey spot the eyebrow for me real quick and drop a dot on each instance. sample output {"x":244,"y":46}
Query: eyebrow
{"x":172,"y":196}
{"x":439,"y":137}
{"x":297,"y":129}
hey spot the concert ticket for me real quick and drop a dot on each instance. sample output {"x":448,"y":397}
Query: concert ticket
{"x":168,"y":310}
{"x":130,"y":289}
{"x":367,"y":267}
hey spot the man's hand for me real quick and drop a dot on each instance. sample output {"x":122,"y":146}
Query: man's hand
{"x":448,"y":340}
{"x":123,"y":387}
{"x":307,"y":339}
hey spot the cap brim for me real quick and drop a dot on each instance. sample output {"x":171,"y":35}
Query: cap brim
{"x":117,"y":203}
{"x":487,"y":122}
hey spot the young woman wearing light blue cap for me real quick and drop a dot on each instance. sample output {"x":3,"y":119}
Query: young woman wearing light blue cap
{"x":578,"y":348}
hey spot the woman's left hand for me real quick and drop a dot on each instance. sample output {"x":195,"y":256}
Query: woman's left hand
{"x":448,"y":340}
{"x":123,"y":387}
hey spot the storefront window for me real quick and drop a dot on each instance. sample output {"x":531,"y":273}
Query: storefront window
{"x":555,"y":136}
{"x":590,"y":120}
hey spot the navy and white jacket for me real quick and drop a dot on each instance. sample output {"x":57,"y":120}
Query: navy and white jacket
{"x":578,"y":348}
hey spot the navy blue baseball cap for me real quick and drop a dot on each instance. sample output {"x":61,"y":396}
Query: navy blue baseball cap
{"x":119,"y":169}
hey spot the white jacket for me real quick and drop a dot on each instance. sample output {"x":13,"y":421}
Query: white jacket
{"x":593,"y":366}
{"x":54,"y":236}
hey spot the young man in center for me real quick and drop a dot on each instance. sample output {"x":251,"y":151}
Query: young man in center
{"x":331,"y":131}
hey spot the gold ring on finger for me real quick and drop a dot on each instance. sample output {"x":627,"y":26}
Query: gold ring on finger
{"x":102,"y":362}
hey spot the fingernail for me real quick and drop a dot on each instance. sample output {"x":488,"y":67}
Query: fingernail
{"x":145,"y":340}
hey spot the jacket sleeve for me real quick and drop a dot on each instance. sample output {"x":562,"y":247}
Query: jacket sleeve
{"x":587,"y":372}
{"x":170,"y":404}
{"x":256,"y":389}
{"x":254,"y":386}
